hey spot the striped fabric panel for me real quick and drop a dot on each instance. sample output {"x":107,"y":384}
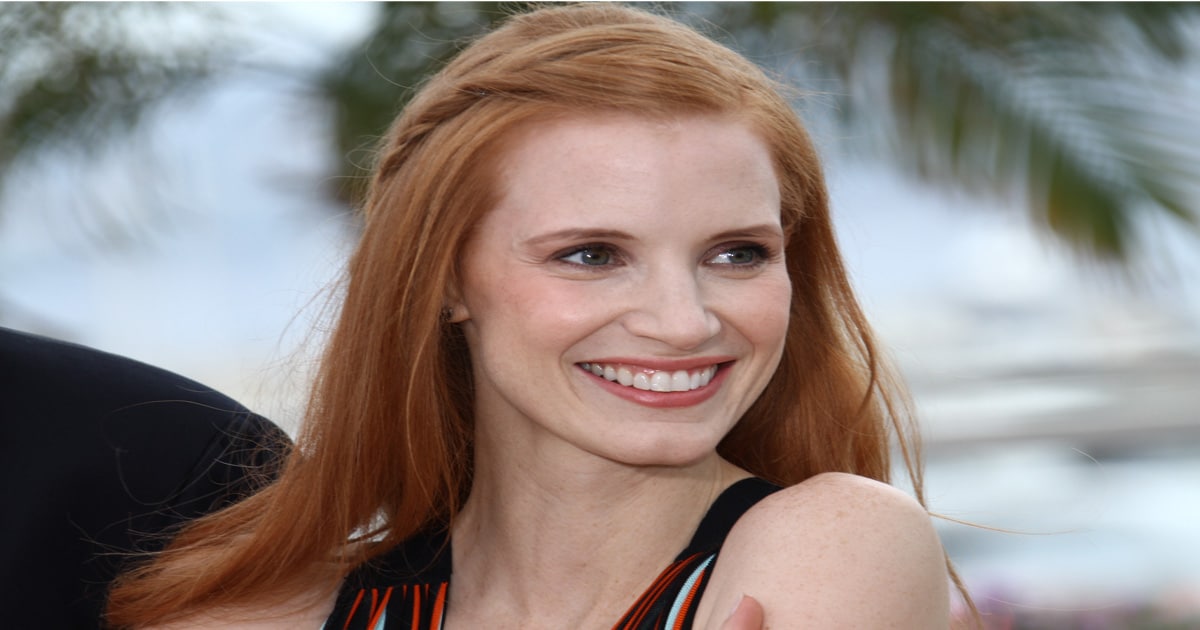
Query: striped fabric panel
{"x":400,"y":607}
{"x":669,"y":602}
{"x":687,"y":596}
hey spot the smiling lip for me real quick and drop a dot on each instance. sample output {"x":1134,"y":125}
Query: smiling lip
{"x":662,"y":384}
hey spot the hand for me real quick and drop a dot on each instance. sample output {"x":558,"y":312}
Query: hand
{"x":746,"y":615}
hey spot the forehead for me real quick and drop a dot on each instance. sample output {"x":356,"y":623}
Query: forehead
{"x":605,"y":166}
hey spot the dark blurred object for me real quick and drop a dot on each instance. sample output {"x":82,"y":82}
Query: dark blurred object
{"x":104,"y":456}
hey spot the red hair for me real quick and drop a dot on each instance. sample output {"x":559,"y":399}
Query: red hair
{"x":385,"y":447}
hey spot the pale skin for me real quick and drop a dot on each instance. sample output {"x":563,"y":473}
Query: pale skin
{"x":656,"y":244}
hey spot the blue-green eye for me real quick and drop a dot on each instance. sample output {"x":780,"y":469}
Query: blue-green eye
{"x":742,"y":256}
{"x":589,"y":256}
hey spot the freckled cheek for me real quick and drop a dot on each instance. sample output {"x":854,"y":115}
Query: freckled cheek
{"x":761,"y":313}
{"x":550,"y":313}
{"x":569,"y":312}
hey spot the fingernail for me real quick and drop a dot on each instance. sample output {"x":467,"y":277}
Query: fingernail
{"x":736,"y":605}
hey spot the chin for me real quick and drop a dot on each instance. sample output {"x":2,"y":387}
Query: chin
{"x":673,"y":451}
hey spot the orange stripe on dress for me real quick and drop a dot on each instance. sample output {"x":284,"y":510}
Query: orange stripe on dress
{"x":438,"y":606}
{"x":376,"y":613}
{"x":353,"y":608}
{"x":416,"y":616}
{"x":687,"y":600}
{"x":637,"y":613}
{"x":642,"y":606}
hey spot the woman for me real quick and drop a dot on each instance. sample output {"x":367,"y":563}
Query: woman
{"x":597,"y":317}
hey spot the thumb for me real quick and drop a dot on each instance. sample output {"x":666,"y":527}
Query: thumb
{"x":746,"y":615}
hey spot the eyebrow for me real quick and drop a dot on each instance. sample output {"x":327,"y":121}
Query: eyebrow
{"x":579,"y":234}
{"x":765,"y":230}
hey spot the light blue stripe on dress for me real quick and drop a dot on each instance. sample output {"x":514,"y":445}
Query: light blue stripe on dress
{"x":687,"y":588}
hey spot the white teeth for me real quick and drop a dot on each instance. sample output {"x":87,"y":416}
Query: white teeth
{"x":624,"y":377}
{"x":653,"y":380}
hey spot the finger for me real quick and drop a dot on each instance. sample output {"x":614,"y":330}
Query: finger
{"x":746,"y":615}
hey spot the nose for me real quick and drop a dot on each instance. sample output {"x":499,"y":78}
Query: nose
{"x":671,"y":308}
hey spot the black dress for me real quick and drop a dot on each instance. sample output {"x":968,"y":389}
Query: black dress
{"x":407,"y":587}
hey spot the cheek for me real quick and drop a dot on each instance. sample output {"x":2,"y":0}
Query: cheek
{"x":765,"y":311}
{"x":526,"y":311}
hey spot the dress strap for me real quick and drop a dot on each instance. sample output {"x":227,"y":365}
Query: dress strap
{"x":730,"y":505}
{"x":671,"y":601}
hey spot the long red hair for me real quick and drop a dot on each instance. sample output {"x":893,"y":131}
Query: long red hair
{"x":385,"y":448}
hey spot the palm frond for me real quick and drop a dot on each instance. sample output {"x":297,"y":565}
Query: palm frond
{"x":79,"y":72}
{"x":1046,"y":105}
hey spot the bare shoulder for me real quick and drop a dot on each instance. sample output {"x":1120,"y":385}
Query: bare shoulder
{"x":836,"y":551}
{"x":304,"y":611}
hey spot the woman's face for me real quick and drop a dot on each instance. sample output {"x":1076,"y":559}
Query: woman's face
{"x":627,"y":298}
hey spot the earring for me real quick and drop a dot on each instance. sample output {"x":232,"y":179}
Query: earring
{"x":447,"y":314}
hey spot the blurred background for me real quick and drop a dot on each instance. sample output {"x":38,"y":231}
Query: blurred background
{"x":1016,"y":186}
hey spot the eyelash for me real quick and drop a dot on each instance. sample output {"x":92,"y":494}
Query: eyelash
{"x":762,"y":254}
{"x":611,"y":251}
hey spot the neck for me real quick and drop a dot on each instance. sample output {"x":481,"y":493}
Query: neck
{"x":543,"y":537}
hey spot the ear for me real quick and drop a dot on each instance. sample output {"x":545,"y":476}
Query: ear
{"x":455,"y":313}
{"x":454,"y":310}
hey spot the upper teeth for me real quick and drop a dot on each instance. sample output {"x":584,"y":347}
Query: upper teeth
{"x":653,"y":380}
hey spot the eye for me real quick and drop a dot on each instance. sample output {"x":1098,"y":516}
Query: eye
{"x":589,"y":256}
{"x":741,"y":256}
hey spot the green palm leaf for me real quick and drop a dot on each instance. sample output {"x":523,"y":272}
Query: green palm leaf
{"x":1065,"y":107}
